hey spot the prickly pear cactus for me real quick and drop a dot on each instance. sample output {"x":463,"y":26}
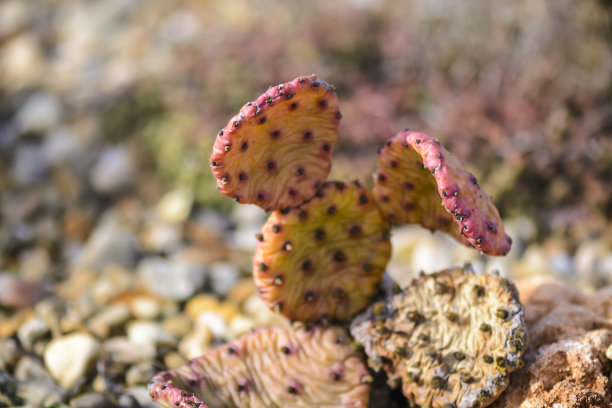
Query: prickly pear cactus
{"x":450,"y":339}
{"x":271,"y":367}
{"x":325,"y":259}
{"x":276,"y":152}
{"x":420,"y":182}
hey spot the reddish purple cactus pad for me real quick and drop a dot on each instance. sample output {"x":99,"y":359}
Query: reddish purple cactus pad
{"x":277,"y":151}
{"x":450,"y":339}
{"x":324,"y":259}
{"x":271,"y":367}
{"x":420,"y":182}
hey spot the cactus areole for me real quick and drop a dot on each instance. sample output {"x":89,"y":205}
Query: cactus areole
{"x":420,"y":182}
{"x":276,"y":152}
{"x":309,"y":366}
{"x":450,"y":339}
{"x":325,"y":259}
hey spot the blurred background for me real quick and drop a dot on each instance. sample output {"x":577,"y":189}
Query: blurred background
{"x":110,"y":224}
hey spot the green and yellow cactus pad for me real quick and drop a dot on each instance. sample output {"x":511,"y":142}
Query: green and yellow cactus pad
{"x":450,"y":339}
{"x":325,"y":259}
{"x":271,"y":368}
{"x":276,"y":152}
{"x":418,"y":181}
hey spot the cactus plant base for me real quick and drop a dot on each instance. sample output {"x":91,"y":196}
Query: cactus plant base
{"x":449,"y":339}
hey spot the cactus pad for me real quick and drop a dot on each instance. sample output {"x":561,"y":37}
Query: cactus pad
{"x":416,"y":174}
{"x":271,"y":367}
{"x":450,"y":338}
{"x":325,"y":259}
{"x":276,"y":152}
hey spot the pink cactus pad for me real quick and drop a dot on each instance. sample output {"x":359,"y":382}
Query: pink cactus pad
{"x":271,"y":367}
{"x":277,"y":151}
{"x":324,"y":259}
{"x":419,"y":181}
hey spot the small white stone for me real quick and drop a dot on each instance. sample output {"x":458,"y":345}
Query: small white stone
{"x":32,"y":330}
{"x":122,"y":350}
{"x":149,"y":333}
{"x":71,"y":357}
{"x":62,"y":146}
{"x":109,"y":317}
{"x":171,"y":279}
{"x":240,"y":325}
{"x":609,"y":352}
{"x":40,"y":113}
{"x":144,"y":307}
{"x":175,"y":206}
{"x":113,"y":171}
{"x":223,"y":277}
{"x":215,"y":322}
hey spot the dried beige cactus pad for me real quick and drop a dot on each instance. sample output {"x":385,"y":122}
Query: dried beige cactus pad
{"x":418,"y":181}
{"x":276,"y":152}
{"x":450,"y":338}
{"x":271,"y":367}
{"x":325,"y":259}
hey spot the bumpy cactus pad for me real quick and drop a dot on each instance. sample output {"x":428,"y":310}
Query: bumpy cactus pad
{"x":324,"y":259}
{"x":277,"y":151}
{"x":420,"y":182}
{"x":271,"y":367}
{"x":450,"y":338}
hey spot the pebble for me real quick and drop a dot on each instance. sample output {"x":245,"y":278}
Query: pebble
{"x":178,"y":325}
{"x":197,"y":342}
{"x":62,"y":145}
{"x":149,"y":333}
{"x":29,"y":164}
{"x":215,"y":322}
{"x":240,"y":325}
{"x":161,"y":236}
{"x":113,"y":172}
{"x":109,"y":319}
{"x":124,"y":351}
{"x":9,"y":353}
{"x":110,"y":243}
{"x":70,"y":358}
{"x":145,"y":307}
{"x":171,"y":279}
{"x":223,"y":277}
{"x":175,"y":206}
{"x":40,"y":113}
{"x":200,"y":303}
{"x":32,"y":330}
{"x":92,"y":400}
{"x":18,"y":293}
{"x":140,"y":373}
{"x":173,"y":360}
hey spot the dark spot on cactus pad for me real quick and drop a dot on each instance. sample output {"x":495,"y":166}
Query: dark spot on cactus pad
{"x":263,"y":267}
{"x":367,"y":266}
{"x":440,"y":288}
{"x":444,"y":193}
{"x":382,"y":178}
{"x":236,"y":199}
{"x":338,"y":293}
{"x":301,"y":79}
{"x":452,"y":316}
{"x":319,"y":234}
{"x":484,"y":327}
{"x":271,"y":165}
{"x":338,"y":115}
{"x":242,"y":176}
{"x":501,"y":313}
{"x":292,"y":390}
{"x":285,"y":350}
{"x":326,"y":147}
{"x":278,"y":307}
{"x":309,"y":296}
{"x":308,"y":135}
{"x":339,"y":256}
{"x":302,"y":215}
{"x":456,"y":193}
{"x":418,"y":141}
{"x":231,"y":350}
{"x":322,"y":103}
{"x":299,"y":171}
{"x":408,"y":206}
{"x":363,"y":199}
{"x":262,"y":120}
{"x":355,"y":230}
{"x":478,"y":291}
{"x":261,"y":196}
{"x":487,"y":359}
{"x":393,"y":163}
{"x":437,"y":382}
{"x":276,"y":134}
{"x":292,"y":192}
{"x":307,"y":265}
{"x":466,"y":378}
{"x":335,"y":376}
{"x":285,"y":211}
{"x":287,"y":246}
{"x":385,"y":198}
{"x":388,"y":143}
{"x":500,"y":361}
{"x":259,"y":237}
{"x":339,"y":185}
{"x":459,"y":356}
{"x":289,"y":95}
{"x":479,"y":240}
{"x":315,"y":84}
{"x":244,"y":146}
{"x":413,"y":316}
{"x":276,"y":228}
{"x":226,"y":179}
{"x":331,"y":210}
